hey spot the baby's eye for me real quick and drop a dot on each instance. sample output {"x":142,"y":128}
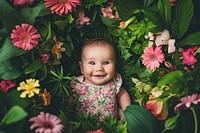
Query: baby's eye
{"x":92,"y":63}
{"x":106,"y":63}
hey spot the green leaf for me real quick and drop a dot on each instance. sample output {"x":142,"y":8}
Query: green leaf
{"x":11,"y":73}
{"x":175,"y":77}
{"x":36,"y":65}
{"x":65,"y":122}
{"x":109,"y":22}
{"x":182,"y":17}
{"x":8,"y":50}
{"x":15,"y":114}
{"x":164,"y":10}
{"x":192,"y":39}
{"x":170,"y":123}
{"x":139,"y":120}
{"x":9,"y":16}
{"x":32,"y":13}
{"x":153,"y":17}
{"x":12,"y":98}
{"x":127,"y":8}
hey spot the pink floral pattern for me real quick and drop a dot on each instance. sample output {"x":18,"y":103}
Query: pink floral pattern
{"x":97,"y":100}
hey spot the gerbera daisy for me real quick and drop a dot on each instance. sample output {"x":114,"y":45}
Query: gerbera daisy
{"x":46,"y":123}
{"x":187,"y":101}
{"x":29,"y":88}
{"x":25,"y":37}
{"x":62,"y":6}
{"x":153,"y":57}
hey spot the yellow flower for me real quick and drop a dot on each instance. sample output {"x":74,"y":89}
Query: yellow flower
{"x":46,"y":97}
{"x":29,"y":88}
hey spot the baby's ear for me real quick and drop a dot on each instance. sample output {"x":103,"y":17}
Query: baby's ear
{"x":81,"y":66}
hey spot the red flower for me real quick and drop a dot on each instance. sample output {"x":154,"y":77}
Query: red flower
{"x":5,"y":85}
{"x":157,"y":108}
{"x":188,"y":56}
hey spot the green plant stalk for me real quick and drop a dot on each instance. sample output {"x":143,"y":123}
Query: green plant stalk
{"x":195,"y":120}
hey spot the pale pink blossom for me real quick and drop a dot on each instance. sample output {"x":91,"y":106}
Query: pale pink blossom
{"x":25,"y":37}
{"x":187,"y":101}
{"x":46,"y":123}
{"x":108,"y":11}
{"x":153,"y":57}
{"x":164,"y":39}
{"x":22,"y":2}
{"x":82,"y":19}
{"x":61,"y":7}
{"x":5,"y":85}
{"x":188,"y":56}
{"x":44,"y":57}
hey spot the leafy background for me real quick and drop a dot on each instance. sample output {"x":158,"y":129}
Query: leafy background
{"x":182,"y":21}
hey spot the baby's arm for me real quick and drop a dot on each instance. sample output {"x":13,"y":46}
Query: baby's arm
{"x":123,"y":98}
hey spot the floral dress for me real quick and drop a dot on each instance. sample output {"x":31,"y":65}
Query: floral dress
{"x":97,"y":100}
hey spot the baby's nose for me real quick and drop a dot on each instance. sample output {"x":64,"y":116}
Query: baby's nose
{"x":99,"y":68}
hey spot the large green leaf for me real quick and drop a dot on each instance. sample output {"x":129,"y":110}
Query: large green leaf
{"x":32,"y":13}
{"x":15,"y":114}
{"x":8,"y":50}
{"x":12,"y":98}
{"x":192,"y":39}
{"x":110,"y":22}
{"x":175,"y":77}
{"x":127,"y":8}
{"x":154,"y":18}
{"x":9,"y":16}
{"x":182,"y":17}
{"x":139,"y":120}
{"x":164,"y":10}
{"x":33,"y":67}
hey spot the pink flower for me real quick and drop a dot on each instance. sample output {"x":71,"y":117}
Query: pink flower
{"x":188,"y":56}
{"x":172,"y":2}
{"x":108,"y":12}
{"x":25,"y":37}
{"x":5,"y":85}
{"x":62,"y":6}
{"x":187,"y":101}
{"x":153,"y":57}
{"x":22,"y":2}
{"x":158,"y":108}
{"x":44,"y":57}
{"x":95,"y":131}
{"x":82,"y":19}
{"x":46,"y":123}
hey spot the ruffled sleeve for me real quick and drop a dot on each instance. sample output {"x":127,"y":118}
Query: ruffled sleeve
{"x":76,"y":82}
{"x":118,"y":82}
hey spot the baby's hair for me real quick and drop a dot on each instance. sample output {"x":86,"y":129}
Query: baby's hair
{"x":98,"y":42}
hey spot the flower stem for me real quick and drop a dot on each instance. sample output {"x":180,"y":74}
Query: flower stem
{"x":195,"y":120}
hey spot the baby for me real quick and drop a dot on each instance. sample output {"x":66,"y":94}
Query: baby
{"x":99,"y":87}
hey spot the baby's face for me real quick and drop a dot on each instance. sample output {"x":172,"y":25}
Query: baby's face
{"x":98,"y":64}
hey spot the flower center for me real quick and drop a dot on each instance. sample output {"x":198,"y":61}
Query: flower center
{"x":63,"y":1}
{"x":48,"y":125}
{"x":26,"y":37}
{"x":29,"y":87}
{"x":153,"y":57}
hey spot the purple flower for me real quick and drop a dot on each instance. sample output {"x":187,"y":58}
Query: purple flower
{"x":5,"y":85}
{"x":187,"y":101}
{"x":46,"y":123}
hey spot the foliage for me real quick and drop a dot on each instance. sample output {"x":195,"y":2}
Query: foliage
{"x":55,"y":60}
